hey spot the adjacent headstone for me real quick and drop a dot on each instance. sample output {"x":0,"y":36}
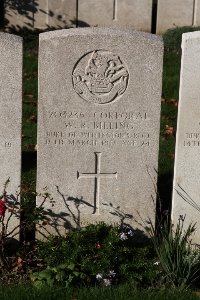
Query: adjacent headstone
{"x":186,"y":191}
{"x":174,"y":13}
{"x":62,"y":13}
{"x":40,"y":14}
{"x":197,"y":13}
{"x":132,"y":14}
{"x":98,"y":126}
{"x":10,"y":115}
{"x":20,"y":14}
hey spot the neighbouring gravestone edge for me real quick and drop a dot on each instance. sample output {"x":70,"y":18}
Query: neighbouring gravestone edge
{"x":189,"y":36}
{"x":100,"y":31}
{"x":185,"y":193}
{"x":11,"y":37}
{"x":11,"y":89}
{"x":179,"y":13}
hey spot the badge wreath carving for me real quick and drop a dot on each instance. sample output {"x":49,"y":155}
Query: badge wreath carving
{"x":100,"y":77}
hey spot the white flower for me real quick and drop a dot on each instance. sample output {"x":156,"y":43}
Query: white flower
{"x":156,"y":263}
{"x":107,"y":282}
{"x":130,"y":232}
{"x":123,"y":236}
{"x":112,"y":273}
{"x":98,"y":276}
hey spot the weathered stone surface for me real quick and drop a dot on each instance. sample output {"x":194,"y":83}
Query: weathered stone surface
{"x":186,"y":189}
{"x":98,"y":125}
{"x":95,"y":12}
{"x":197,"y":13}
{"x":116,"y":13}
{"x":11,"y":110}
{"x":20,"y":14}
{"x":40,"y":14}
{"x":173,"y":13}
{"x":62,"y":13}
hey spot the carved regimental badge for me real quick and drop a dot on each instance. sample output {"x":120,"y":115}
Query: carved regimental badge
{"x":100,"y":77}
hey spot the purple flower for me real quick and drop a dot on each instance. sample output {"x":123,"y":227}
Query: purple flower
{"x":130,"y":232}
{"x":112,"y":273}
{"x":107,"y":282}
{"x":98,"y":276}
{"x":123,"y":236}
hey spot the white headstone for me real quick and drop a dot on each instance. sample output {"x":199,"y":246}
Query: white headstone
{"x":98,"y":125}
{"x":10,"y":115}
{"x":20,"y":15}
{"x":130,"y":14}
{"x":174,"y":13}
{"x":62,"y":13}
{"x":41,"y":14}
{"x":186,"y":190}
{"x":197,"y":13}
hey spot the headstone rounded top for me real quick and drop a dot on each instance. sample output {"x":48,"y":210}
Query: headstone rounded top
{"x":190,"y":35}
{"x":100,"y":31}
{"x":98,"y":125}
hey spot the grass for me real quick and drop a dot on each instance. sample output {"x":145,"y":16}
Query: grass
{"x":127,"y":292}
{"x":171,"y":71}
{"x":30,"y":74}
{"x":29,"y":119}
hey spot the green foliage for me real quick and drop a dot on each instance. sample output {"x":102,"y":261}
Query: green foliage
{"x":172,"y":60}
{"x":167,"y":142}
{"x":122,"y":292}
{"x":29,"y":113}
{"x":101,"y":252}
{"x":33,"y":214}
{"x":173,"y":37}
{"x":171,"y":75}
{"x":178,"y":259}
{"x":30,"y":74}
{"x":66,"y":274}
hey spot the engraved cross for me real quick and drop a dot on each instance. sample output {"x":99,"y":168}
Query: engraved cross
{"x":97,"y":176}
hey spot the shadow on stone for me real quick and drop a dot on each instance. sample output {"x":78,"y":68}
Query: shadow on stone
{"x":26,"y":8}
{"x":71,"y":219}
{"x":24,"y":14}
